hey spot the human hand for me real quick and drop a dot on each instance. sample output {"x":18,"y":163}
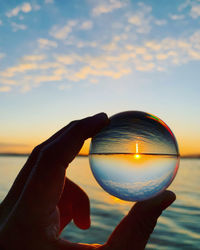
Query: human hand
{"x":42,"y":201}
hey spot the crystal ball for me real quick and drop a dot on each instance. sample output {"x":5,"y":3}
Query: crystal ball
{"x":135,"y":157}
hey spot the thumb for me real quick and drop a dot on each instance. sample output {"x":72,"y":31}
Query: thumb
{"x":134,"y":230}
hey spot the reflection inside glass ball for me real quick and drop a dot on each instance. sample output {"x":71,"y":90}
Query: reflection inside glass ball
{"x":135,"y":157}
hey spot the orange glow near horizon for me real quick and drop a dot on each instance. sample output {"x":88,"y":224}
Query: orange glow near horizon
{"x":187,"y":146}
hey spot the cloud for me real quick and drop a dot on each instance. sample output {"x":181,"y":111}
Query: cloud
{"x":141,"y":18}
{"x":25,"y":8}
{"x":5,"y":88}
{"x":16,"y":26}
{"x":1,"y":22}
{"x":160,"y":22}
{"x":62,"y":33}
{"x":87,"y":71}
{"x":176,"y":17}
{"x":162,"y":56}
{"x":195,"y":11}
{"x":107,"y":6}
{"x":45,"y":43}
{"x":7,"y":81}
{"x":184,"y":5}
{"x":34,"y":58}
{"x":195,"y":40}
{"x":80,"y":43}
{"x":110,"y":47}
{"x":68,"y":59}
{"x":152,"y":55}
{"x":112,"y":50}
{"x":47,"y":78}
{"x":86,"y":25}
{"x":21,"y":68}
{"x":153,"y":45}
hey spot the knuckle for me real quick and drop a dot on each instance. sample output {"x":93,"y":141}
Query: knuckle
{"x":34,"y":154}
{"x":36,"y":150}
{"x":72,"y":123}
{"x":77,"y":125}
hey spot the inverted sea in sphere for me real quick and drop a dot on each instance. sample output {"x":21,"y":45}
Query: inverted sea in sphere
{"x":135,"y":157}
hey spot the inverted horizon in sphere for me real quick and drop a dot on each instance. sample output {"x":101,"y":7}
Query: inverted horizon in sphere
{"x":135,"y":157}
{"x":135,"y":132}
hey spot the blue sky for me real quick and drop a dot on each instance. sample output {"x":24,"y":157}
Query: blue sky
{"x":63,"y":60}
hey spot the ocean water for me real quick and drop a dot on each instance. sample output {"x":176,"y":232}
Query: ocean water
{"x":177,"y":228}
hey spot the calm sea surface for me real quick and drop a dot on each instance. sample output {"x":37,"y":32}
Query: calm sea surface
{"x":177,"y":228}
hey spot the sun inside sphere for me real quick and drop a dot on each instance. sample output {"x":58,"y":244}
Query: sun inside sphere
{"x":135,"y":157}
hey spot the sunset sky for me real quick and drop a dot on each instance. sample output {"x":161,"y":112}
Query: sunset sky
{"x":64,"y":60}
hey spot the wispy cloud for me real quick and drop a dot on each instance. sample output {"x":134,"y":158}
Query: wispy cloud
{"x":1,"y":22}
{"x":17,"y":26}
{"x":45,"y":43}
{"x":160,"y":22}
{"x":7,"y":81}
{"x":107,"y":6}
{"x":47,"y":78}
{"x":25,"y":8}
{"x":193,"y":6}
{"x":87,"y":49}
{"x":34,"y":58}
{"x":184,"y":5}
{"x":20,"y":68}
{"x":5,"y":88}
{"x":86,"y":25}
{"x":68,"y":59}
{"x":151,"y":56}
{"x":195,"y":11}
{"x":176,"y":17}
{"x":141,"y":19}
{"x":62,"y":33}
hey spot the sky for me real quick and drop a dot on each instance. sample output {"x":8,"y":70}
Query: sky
{"x":65,"y":60}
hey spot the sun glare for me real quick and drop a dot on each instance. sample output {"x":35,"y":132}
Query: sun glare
{"x":137,"y":156}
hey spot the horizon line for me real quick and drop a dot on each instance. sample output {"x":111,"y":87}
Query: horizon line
{"x":182,"y":156}
{"x":122,"y":153}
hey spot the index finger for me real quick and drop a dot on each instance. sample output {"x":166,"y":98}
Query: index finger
{"x":46,"y":180}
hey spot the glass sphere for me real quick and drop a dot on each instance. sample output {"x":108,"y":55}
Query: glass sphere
{"x":135,"y":157}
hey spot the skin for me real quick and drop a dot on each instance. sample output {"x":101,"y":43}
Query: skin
{"x":42,"y":201}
